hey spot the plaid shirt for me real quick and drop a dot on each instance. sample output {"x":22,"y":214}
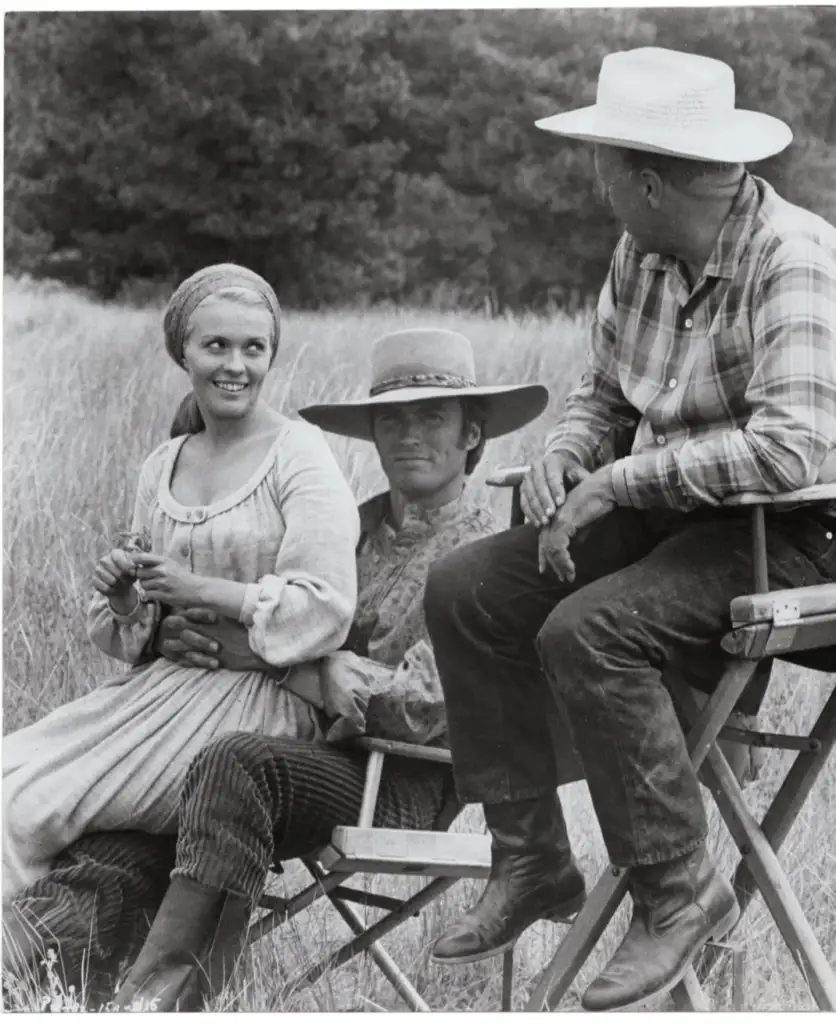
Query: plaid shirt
{"x":726,"y":388}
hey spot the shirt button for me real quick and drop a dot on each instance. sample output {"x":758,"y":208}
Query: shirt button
{"x":672,"y":383}
{"x":661,"y":439}
{"x":184,"y":550}
{"x":689,"y":323}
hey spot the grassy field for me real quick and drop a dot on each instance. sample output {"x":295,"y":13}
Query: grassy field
{"x":89,"y":392}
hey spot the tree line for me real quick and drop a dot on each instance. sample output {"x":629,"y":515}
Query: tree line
{"x":359,"y":157}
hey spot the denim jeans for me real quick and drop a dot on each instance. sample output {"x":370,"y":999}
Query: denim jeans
{"x":651,"y":597}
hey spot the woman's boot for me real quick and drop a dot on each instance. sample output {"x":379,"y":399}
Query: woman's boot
{"x":190,"y":951}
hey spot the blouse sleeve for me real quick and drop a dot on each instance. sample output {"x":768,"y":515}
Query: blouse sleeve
{"x":303,"y":609}
{"x":126,"y":637}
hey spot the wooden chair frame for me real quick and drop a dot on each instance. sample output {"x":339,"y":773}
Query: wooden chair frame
{"x":758,"y":843}
{"x":445,"y":857}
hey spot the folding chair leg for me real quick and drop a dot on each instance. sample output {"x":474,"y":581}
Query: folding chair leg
{"x":771,"y":880}
{"x":301,"y":901}
{"x":586,"y":930}
{"x":785,"y":808}
{"x":390,"y":970}
{"x":507,"y":980}
{"x":367,"y":939}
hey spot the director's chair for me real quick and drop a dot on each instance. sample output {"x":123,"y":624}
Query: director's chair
{"x":443,"y":856}
{"x":793,"y":625}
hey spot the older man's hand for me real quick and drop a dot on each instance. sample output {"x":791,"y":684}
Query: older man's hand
{"x":590,"y":500}
{"x":180,"y":639}
{"x":543,"y":489}
{"x":199,"y":638}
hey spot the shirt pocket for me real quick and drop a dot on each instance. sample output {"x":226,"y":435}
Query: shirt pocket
{"x":719,"y":377}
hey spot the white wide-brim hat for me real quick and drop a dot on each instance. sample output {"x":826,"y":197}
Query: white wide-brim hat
{"x":680,"y":104}
{"x":423,"y":363}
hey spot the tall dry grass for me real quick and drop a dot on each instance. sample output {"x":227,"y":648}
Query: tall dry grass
{"x":89,"y":392}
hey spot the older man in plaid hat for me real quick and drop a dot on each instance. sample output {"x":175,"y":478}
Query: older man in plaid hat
{"x":712,"y":371}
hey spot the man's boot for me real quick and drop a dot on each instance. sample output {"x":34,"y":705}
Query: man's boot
{"x":678,"y":906}
{"x":190,"y":952}
{"x":533,"y":877}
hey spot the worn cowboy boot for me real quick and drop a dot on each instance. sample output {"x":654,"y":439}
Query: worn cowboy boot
{"x":533,"y":877}
{"x":191,"y":949}
{"x":678,"y":906}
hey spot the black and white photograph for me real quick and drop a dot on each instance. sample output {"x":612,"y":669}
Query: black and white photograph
{"x":419,"y":499}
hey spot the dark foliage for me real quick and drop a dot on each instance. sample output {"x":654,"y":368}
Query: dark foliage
{"x":358,"y":157}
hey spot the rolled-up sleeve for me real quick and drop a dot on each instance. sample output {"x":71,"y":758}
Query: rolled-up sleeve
{"x":598,"y":421}
{"x":303,"y":609}
{"x":126,"y":637}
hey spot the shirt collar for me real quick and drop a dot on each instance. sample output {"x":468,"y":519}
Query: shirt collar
{"x":732,"y":241}
{"x":374,"y":514}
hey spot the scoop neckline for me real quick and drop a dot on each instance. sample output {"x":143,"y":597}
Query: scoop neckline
{"x":197,"y":513}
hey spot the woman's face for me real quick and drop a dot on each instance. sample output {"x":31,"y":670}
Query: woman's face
{"x":423,"y":447}
{"x":227,"y":355}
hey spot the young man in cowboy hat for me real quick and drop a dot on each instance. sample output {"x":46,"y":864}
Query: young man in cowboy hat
{"x":250,"y":800}
{"x":712,"y":370}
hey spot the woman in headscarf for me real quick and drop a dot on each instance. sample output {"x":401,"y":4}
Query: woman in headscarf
{"x":245,"y":514}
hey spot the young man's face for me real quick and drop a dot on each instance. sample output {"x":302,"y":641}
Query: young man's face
{"x":423,"y":445}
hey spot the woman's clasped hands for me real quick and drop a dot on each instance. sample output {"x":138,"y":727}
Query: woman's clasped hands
{"x":167,"y":581}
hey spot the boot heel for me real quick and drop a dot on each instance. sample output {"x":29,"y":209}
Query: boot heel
{"x":567,"y":911}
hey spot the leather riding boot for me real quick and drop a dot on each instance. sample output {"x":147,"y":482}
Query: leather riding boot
{"x":190,"y":951}
{"x":533,"y":876}
{"x":678,"y":906}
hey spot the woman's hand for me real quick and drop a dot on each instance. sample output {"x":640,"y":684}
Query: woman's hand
{"x":167,"y":581}
{"x":114,"y":577}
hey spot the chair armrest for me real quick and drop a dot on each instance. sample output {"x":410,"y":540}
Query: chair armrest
{"x":398,"y":749}
{"x":377,"y":749}
{"x":818,"y":492}
{"x":507,"y":476}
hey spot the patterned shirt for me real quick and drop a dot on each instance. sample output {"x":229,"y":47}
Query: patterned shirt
{"x":726,"y":387}
{"x":384,"y":682}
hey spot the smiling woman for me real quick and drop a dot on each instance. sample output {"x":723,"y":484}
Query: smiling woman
{"x":237,"y":329}
{"x":250,"y":518}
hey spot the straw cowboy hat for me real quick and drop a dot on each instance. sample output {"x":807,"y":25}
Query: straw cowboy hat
{"x":681,"y":104}
{"x":414,"y":365}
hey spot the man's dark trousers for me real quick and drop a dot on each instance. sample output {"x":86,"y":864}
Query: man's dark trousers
{"x":651,"y":596}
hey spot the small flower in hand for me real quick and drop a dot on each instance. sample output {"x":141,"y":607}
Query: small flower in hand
{"x":133,"y":541}
{"x":166,"y":581}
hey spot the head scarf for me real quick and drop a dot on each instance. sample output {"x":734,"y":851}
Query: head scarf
{"x":200,"y":286}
